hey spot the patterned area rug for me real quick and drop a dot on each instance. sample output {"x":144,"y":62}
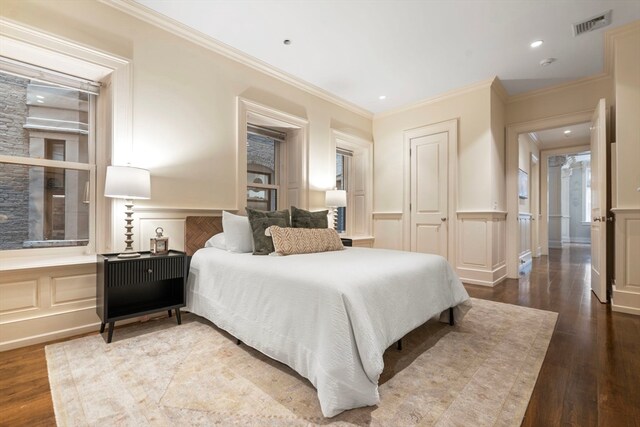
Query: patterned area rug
{"x":480,"y":372}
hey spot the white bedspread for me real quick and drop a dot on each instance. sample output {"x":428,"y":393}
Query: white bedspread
{"x":331,"y":315}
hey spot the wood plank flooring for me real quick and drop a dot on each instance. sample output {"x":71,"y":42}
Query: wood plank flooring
{"x":590,"y":377}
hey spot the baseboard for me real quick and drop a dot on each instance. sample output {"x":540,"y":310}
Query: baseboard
{"x":482,"y":277}
{"x":624,"y":309}
{"x":49,"y":336}
{"x":625,"y":301}
{"x":67,"y":332}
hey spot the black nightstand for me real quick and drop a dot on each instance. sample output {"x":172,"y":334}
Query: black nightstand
{"x":346,"y":241}
{"x":130,"y":287}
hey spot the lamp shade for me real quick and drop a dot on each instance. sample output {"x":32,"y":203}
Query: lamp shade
{"x":126,"y":182}
{"x":336,"y":198}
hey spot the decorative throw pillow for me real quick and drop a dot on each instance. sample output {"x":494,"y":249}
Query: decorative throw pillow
{"x":217,"y":241}
{"x":289,"y":241}
{"x":305,"y":219}
{"x":237,"y":233}
{"x":260,"y":221}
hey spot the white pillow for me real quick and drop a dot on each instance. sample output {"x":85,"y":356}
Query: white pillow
{"x":217,"y":241}
{"x":237,"y":233}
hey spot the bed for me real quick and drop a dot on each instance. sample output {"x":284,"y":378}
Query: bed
{"x":330,"y":316}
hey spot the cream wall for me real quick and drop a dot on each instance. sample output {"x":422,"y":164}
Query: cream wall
{"x":474,"y":152}
{"x":184,"y":125}
{"x":480,"y":177}
{"x":627,"y":136}
{"x":578,"y":96}
{"x":184,"y":103}
{"x":626,"y":288}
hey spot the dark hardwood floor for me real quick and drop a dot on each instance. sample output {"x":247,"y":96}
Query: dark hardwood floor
{"x":590,"y":376}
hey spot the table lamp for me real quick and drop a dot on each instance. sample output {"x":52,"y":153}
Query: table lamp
{"x":129,"y":183}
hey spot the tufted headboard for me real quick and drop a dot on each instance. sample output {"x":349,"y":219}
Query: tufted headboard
{"x":199,"y":229}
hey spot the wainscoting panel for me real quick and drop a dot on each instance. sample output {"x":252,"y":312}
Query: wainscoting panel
{"x":18,"y":296}
{"x":626,"y":290}
{"x":43,"y":304}
{"x":67,"y":289}
{"x":387,"y":228}
{"x":473,"y":250}
{"x":481,"y":247}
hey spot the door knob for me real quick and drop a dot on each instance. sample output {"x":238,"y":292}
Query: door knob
{"x":443,"y":219}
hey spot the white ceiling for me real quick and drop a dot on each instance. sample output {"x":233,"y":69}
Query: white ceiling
{"x":556,"y":138}
{"x":408,"y":50}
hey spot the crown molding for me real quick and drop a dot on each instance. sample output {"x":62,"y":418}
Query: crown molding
{"x":499,"y":89}
{"x":163,"y":22}
{"x":446,"y":95}
{"x":556,"y":88}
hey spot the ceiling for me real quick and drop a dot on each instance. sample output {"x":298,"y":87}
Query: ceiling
{"x":556,"y":138}
{"x":408,"y":50}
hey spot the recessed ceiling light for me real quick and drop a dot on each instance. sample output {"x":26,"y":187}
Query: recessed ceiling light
{"x":39,"y":96}
{"x":287,"y":42}
{"x":567,"y":132}
{"x":40,"y":101}
{"x":547,"y":61}
{"x":536,"y":43}
{"x":382,"y":97}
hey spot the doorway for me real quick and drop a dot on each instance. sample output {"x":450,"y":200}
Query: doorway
{"x":430,"y":184}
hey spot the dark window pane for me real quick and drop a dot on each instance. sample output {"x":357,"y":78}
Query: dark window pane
{"x":43,"y":207}
{"x":262,"y":199}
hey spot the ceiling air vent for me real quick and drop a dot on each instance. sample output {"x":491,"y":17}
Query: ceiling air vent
{"x":593,"y":23}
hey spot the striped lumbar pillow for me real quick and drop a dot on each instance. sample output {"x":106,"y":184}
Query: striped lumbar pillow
{"x":289,"y":241}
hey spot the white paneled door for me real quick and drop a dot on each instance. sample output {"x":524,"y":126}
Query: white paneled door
{"x":429,"y":185}
{"x":599,"y":202}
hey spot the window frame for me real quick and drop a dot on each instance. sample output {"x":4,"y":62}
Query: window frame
{"x":65,"y":165}
{"x":113,"y":123}
{"x":294,"y":168}
{"x":359,"y":147}
{"x":279,"y":170}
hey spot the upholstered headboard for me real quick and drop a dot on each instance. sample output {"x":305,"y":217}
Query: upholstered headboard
{"x":199,"y":229}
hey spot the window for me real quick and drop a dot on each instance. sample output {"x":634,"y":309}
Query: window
{"x":586,"y":191}
{"x":264,"y":160}
{"x":46,"y":160}
{"x":343,"y":167}
{"x":353,"y":173}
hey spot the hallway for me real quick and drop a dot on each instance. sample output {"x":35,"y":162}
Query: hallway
{"x":591,"y":374}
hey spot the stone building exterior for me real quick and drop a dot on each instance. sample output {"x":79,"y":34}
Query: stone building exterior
{"x":14,"y":179}
{"x":43,"y":206}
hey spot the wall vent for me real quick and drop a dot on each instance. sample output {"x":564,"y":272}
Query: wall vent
{"x":593,"y":23}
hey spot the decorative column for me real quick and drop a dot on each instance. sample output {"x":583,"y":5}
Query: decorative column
{"x":555,"y":200}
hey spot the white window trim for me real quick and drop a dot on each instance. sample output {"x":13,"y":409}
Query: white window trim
{"x":355,"y":144}
{"x":246,"y":108}
{"x":113,"y":114}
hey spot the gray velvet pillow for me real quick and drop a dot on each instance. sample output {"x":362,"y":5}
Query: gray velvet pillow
{"x":305,"y":219}
{"x":260,"y":221}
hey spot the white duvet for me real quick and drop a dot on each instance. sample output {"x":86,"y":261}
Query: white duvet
{"x":331,"y":315}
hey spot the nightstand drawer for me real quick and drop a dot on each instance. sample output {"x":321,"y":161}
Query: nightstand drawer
{"x":144,"y":270}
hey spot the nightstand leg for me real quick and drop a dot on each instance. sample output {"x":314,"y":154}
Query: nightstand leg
{"x":101,"y":327}
{"x":110,"y":334}
{"x":169,"y":313}
{"x":178,"y":316}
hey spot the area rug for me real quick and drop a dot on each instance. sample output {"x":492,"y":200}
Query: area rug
{"x":480,"y":372}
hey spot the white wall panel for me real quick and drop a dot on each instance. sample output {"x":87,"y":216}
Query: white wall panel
{"x":18,"y":296}
{"x":66,"y":289}
{"x":473,"y":249}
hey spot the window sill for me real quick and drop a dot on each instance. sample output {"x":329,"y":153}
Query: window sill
{"x":26,"y":263}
